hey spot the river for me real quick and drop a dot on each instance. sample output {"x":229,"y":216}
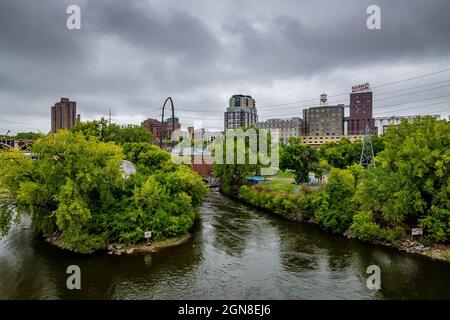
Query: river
{"x":237,"y":252}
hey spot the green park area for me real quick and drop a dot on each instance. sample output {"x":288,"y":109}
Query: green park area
{"x":406,"y":185}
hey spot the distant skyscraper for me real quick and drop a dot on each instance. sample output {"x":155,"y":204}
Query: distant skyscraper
{"x":324,"y":120}
{"x":64,"y":115}
{"x":240,"y":113}
{"x":361,"y":111}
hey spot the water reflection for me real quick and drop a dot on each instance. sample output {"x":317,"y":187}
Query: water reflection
{"x":237,"y":253}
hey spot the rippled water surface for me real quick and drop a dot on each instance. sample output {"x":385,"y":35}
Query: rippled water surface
{"x":237,"y":253}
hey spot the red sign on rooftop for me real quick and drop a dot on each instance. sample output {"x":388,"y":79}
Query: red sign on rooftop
{"x":360,"y":87}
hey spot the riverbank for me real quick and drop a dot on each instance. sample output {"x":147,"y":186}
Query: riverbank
{"x":137,"y":249}
{"x":145,"y":248}
{"x":435,"y":251}
{"x":237,"y":252}
{"x":295,"y":209}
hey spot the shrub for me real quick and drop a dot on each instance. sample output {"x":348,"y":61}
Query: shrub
{"x":437,"y":224}
{"x":76,"y":189}
{"x":334,"y":205}
{"x":281,"y":203}
{"x":365,"y":228}
{"x":307,"y":204}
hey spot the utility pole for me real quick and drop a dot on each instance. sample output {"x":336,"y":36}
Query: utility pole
{"x":109,"y":115}
{"x":367,"y":159}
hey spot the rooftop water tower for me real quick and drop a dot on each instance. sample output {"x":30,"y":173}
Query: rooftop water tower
{"x":323,"y":99}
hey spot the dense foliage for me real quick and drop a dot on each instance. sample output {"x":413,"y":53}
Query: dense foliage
{"x":331,"y":207}
{"x":286,"y":204}
{"x":234,"y":173}
{"x":75,"y":190}
{"x":28,"y":135}
{"x":345,"y":153}
{"x":301,"y":159}
{"x":106,"y":132}
{"x":409,"y":188}
{"x":334,"y":206}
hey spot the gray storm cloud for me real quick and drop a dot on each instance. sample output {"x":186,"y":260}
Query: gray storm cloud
{"x":130,"y":55}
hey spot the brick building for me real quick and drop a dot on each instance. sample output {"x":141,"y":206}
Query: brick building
{"x":361,"y":110}
{"x":324,"y":120}
{"x":155,"y":127}
{"x":287,"y":128}
{"x":64,"y":115}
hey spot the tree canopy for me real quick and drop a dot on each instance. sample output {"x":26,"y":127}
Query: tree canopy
{"x":245,"y":160}
{"x":112,"y":132}
{"x":411,"y":186}
{"x":345,"y":153}
{"x":301,"y":159}
{"x":28,"y":135}
{"x":75,"y":190}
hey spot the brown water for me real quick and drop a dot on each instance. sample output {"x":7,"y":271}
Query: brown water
{"x":237,"y":253}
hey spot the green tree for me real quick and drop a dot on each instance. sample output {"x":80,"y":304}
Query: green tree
{"x":69,"y":178}
{"x":28,"y":135}
{"x":234,"y":173}
{"x":411,"y":185}
{"x":147,"y":156}
{"x":106,"y":132}
{"x":358,"y":172}
{"x":75,"y":190}
{"x":345,"y":153}
{"x":341,"y":154}
{"x":334,"y":208}
{"x":301,"y":159}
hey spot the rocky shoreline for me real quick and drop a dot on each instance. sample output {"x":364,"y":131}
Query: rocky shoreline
{"x":435,"y":251}
{"x":138,"y":249}
{"x":438,"y":252}
{"x":145,"y":248}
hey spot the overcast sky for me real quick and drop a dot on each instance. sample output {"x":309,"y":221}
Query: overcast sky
{"x":130,"y":55}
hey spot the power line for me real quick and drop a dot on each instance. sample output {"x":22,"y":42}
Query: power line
{"x":186,"y":109}
{"x":414,"y":101}
{"x":272,"y":106}
{"x":217,"y":117}
{"x":397,"y":75}
{"x":415,"y":107}
{"x":412,"y":78}
{"x":386,"y":98}
{"x":384,"y":106}
{"x":336,"y":95}
{"x":410,"y":88}
{"x":22,"y":125}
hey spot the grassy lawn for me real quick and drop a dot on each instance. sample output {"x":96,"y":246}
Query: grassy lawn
{"x":280,"y":186}
{"x":284,"y":174}
{"x":283,"y":185}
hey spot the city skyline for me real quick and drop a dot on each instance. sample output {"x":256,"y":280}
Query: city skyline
{"x":224,"y":159}
{"x":133,"y":56}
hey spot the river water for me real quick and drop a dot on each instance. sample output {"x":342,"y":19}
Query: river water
{"x":237,"y":253}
